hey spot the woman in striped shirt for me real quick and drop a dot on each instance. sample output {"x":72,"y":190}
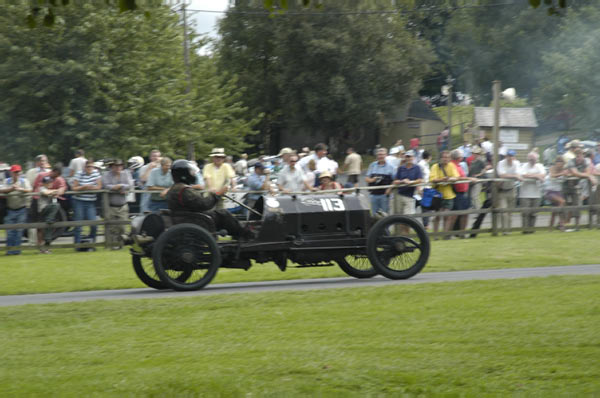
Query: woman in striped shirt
{"x":84,"y":204}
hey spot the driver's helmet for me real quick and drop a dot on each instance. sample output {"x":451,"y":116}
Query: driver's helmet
{"x":183,"y":171}
{"x":135,"y":162}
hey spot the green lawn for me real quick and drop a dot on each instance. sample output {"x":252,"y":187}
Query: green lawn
{"x":65,"y":270}
{"x":527,"y":337}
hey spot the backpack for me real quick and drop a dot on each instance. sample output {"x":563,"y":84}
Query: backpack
{"x":432,"y":199}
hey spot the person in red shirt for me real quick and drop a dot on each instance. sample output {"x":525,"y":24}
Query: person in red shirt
{"x":58,"y":188}
{"x":462,"y":201}
{"x":414,"y":143}
{"x":327,"y":182}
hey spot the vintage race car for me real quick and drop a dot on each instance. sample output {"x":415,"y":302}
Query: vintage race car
{"x":184,"y":251}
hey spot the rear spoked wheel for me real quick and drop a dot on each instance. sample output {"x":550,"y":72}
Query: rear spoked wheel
{"x":398,"y":247}
{"x":186,"y":249}
{"x":357,"y":266}
{"x":144,"y":269}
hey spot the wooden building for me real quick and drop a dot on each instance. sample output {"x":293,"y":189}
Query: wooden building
{"x":516,"y":128}
{"x":415,"y":119}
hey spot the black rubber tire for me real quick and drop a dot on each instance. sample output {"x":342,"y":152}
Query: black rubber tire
{"x":144,"y":269}
{"x":386,"y":251}
{"x":364,"y":272}
{"x":186,"y":248}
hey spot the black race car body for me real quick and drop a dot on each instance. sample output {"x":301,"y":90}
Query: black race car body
{"x":184,"y":252}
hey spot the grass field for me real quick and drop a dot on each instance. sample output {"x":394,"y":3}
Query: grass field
{"x":528,"y":337}
{"x":65,"y":270}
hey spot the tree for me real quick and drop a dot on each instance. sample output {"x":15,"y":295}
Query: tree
{"x":110,"y":82}
{"x":570,"y":81}
{"x":328,"y":75}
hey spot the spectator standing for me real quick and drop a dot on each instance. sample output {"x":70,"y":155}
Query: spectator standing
{"x":554,"y":190}
{"x":477,"y":170}
{"x":530,"y":193}
{"x":258,"y":181}
{"x":285,"y":154}
{"x":466,"y":148}
{"x":77,"y":164}
{"x":84,"y":205}
{"x":16,"y":207}
{"x":218,"y":175}
{"x":509,"y":169}
{"x":488,"y":147}
{"x":380,"y":173}
{"x":570,"y":153}
{"x":48,"y":207}
{"x":442,"y":139}
{"x":409,"y":174}
{"x":578,"y":189}
{"x":241,"y":166}
{"x":352,"y":166}
{"x":561,"y":144}
{"x":444,"y":172}
{"x":292,"y":178}
{"x":461,"y":201}
{"x":119,"y":183}
{"x":311,"y":176}
{"x":395,"y":158}
{"x":414,"y":144}
{"x":398,"y":146}
{"x":41,"y":166}
{"x":58,"y":185}
{"x":160,"y":180}
{"x":549,"y":155}
{"x":597,"y":154}
{"x":425,"y":170}
{"x":320,"y":158}
{"x":327,"y":182}
{"x":144,"y":174}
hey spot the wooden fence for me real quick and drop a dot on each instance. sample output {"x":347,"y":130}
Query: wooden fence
{"x":591,"y":209}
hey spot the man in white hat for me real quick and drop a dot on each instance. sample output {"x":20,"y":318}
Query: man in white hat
{"x":219,"y":176}
{"x":285,"y":155}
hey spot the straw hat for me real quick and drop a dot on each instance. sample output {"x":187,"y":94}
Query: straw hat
{"x":220,"y":152}
{"x":325,"y":174}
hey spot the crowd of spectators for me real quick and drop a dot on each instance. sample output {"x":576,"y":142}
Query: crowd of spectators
{"x":396,"y":179}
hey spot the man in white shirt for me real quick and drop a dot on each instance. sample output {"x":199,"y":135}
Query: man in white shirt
{"x":353,"y":165}
{"x":77,"y":164}
{"x":292,"y":178}
{"x":509,"y":169}
{"x":530,"y":194}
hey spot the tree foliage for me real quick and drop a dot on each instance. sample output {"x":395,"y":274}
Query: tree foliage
{"x":570,"y":82}
{"x":110,"y":82}
{"x":329,"y":75}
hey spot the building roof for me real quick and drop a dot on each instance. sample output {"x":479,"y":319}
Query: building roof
{"x":416,"y":109}
{"x":509,"y":117}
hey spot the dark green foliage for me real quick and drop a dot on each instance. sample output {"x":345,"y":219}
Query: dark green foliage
{"x":330,"y":75}
{"x":110,"y":82}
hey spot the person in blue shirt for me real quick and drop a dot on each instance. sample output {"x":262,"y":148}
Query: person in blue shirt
{"x":380,"y":173}
{"x":408,"y":173}
{"x":257,"y":181}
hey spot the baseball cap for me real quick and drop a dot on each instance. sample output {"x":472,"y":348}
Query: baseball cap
{"x":259,"y":165}
{"x":410,"y":153}
{"x":15,"y":167}
{"x":394,"y":151}
{"x":510,"y":152}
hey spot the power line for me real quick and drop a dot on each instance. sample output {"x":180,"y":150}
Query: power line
{"x":233,"y":10}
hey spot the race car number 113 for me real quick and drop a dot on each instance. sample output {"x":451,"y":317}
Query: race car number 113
{"x":332,"y":204}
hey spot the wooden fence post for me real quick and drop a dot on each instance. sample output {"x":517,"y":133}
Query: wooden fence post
{"x":105,"y":211}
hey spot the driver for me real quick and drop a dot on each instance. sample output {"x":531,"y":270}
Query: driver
{"x":182,"y":198}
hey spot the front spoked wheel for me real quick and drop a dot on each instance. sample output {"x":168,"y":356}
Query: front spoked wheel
{"x":357,"y":266}
{"x":398,"y":247}
{"x":186,"y":249}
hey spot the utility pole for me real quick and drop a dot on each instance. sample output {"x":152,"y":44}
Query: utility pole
{"x":495,"y":133}
{"x":191,"y":155}
{"x":449,"y":82}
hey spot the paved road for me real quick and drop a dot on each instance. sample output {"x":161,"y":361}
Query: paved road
{"x":299,"y":284}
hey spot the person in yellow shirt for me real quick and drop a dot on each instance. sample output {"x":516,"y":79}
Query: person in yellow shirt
{"x":219,"y":176}
{"x":444,"y":171}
